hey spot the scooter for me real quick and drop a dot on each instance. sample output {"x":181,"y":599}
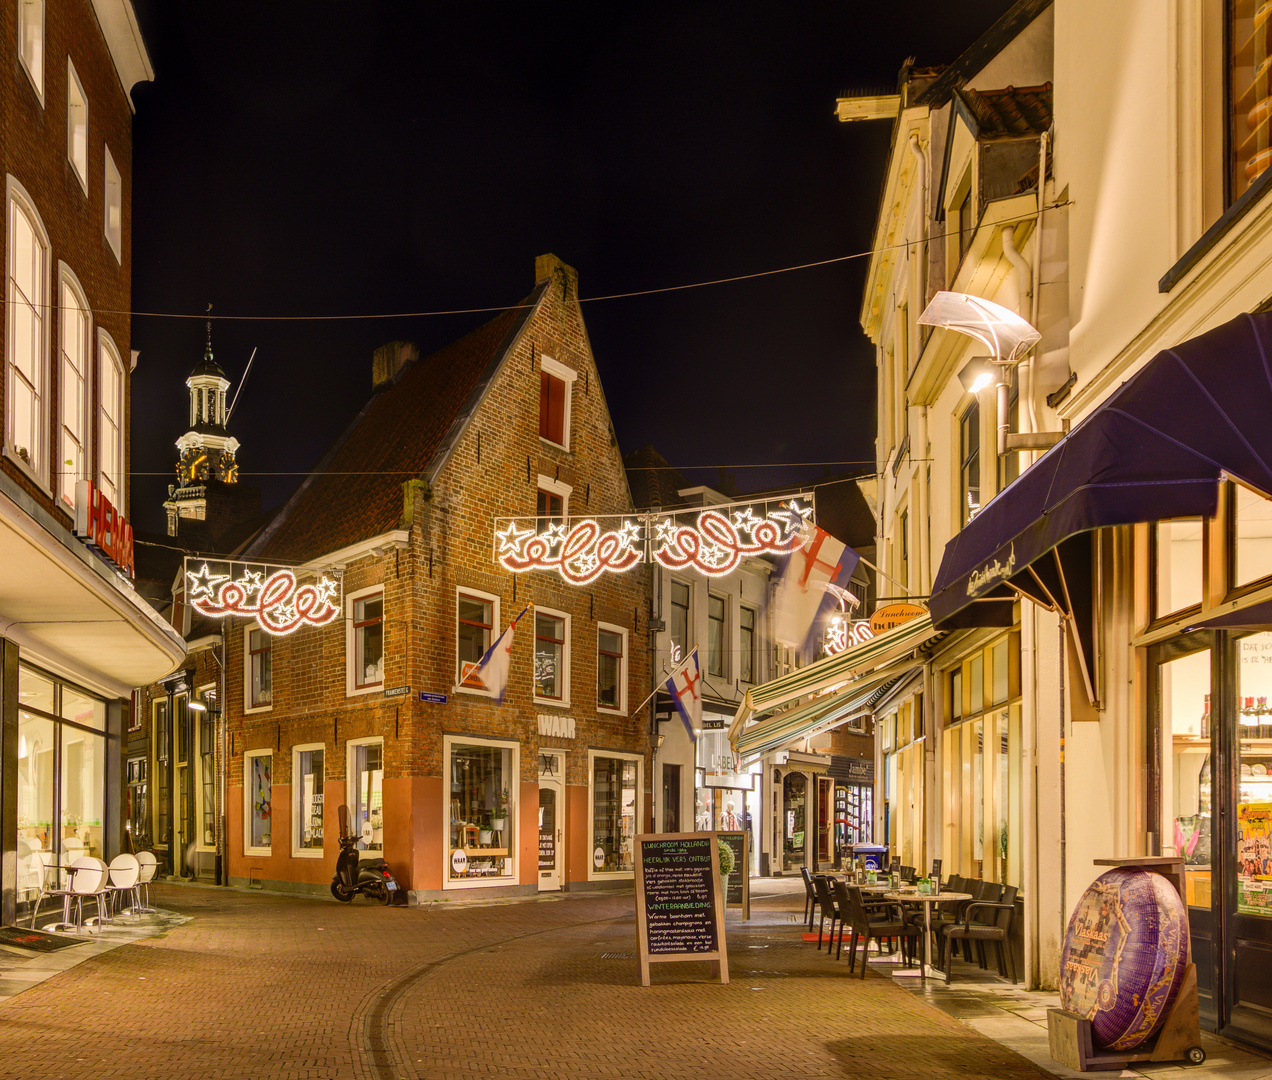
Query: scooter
{"x":371,"y":877}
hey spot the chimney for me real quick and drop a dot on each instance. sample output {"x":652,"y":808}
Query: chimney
{"x":549,"y":266}
{"x":388,"y":361}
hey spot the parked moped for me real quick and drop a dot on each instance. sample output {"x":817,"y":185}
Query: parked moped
{"x":371,"y":877}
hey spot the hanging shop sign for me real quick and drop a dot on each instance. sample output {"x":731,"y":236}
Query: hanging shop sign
{"x":844,"y":633}
{"x":892,"y":616}
{"x":711,"y":542}
{"x":270,"y":595}
{"x":103,"y":528}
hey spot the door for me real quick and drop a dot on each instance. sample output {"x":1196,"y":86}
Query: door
{"x":551,"y":821}
{"x":183,"y":783}
{"x":825,"y":819}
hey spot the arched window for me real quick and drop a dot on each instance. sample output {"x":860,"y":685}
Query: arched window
{"x":110,"y":421}
{"x":76,"y":343}
{"x":27,"y":347}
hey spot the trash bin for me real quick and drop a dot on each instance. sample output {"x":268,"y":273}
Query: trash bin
{"x":875,"y":856}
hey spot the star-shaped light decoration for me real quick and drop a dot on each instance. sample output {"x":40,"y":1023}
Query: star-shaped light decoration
{"x":586,"y":563}
{"x":665,"y":530}
{"x":745,"y":521}
{"x":804,"y":512}
{"x":250,"y":583}
{"x":554,"y":534}
{"x":629,"y":534}
{"x":512,"y":538}
{"x":326,"y":588}
{"x":203,"y":585}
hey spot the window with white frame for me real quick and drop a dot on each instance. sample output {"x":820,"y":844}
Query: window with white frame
{"x":113,"y":222}
{"x":552,"y":502}
{"x":27,"y":375}
{"x":611,"y":668}
{"x":110,"y":421}
{"x":365,"y":794}
{"x":259,"y":669}
{"x":307,"y":800}
{"x":615,"y":779}
{"x":75,"y":335}
{"x":679,"y":622}
{"x":481,"y":811}
{"x":476,"y":614}
{"x":551,"y":656}
{"x":258,"y":795}
{"x":76,"y":125}
{"x":746,"y":644}
{"x":31,"y":42}
{"x":556,"y":388}
{"x":365,"y":642}
{"x":717,"y":608}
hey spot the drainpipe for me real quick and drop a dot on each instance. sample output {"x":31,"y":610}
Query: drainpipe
{"x":1031,"y":406}
{"x":1023,"y":278}
{"x":920,"y":159}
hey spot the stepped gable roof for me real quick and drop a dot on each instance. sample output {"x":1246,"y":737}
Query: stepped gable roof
{"x":355,"y":492}
{"x":1012,"y":112}
{"x":653,"y":480}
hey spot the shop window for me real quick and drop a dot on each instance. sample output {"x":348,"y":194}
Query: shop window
{"x":136,"y":808}
{"x":551,"y":656}
{"x":969,"y":457}
{"x":366,"y":641}
{"x":307,"y":800}
{"x":258,"y":794}
{"x":75,"y":335}
{"x":27,"y":346}
{"x":1252,"y":531}
{"x":260,"y":669}
{"x":110,"y":422}
{"x":556,"y":385}
{"x":611,"y":668}
{"x":671,"y":798}
{"x":615,"y":807}
{"x":746,"y":644}
{"x":162,"y":742}
{"x":76,"y":125}
{"x":1250,"y":93}
{"x":716,"y":607}
{"x":678,"y":624}
{"x":482,"y":812}
{"x":476,"y":615}
{"x":1254,"y":776}
{"x":113,"y":206}
{"x":794,"y":820}
{"x":1177,"y":565}
{"x":31,"y":42}
{"x":365,"y":794}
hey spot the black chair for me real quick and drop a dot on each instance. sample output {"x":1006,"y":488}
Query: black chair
{"x":810,"y":898}
{"x":868,"y":929}
{"x":986,"y":921}
{"x":828,"y":908}
{"x":907,"y":874}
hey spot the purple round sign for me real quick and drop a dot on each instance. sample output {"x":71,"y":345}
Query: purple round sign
{"x":1124,"y":956}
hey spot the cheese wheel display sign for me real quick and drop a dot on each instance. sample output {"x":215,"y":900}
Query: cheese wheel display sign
{"x":1124,"y":956}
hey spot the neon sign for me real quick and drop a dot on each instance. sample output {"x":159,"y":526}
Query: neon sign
{"x":714,"y":544}
{"x":275,"y":600}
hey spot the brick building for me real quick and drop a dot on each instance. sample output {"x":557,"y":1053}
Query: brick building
{"x":77,"y":636}
{"x":457,"y":791}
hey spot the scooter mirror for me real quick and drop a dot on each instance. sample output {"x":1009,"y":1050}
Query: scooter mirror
{"x":344,"y":822}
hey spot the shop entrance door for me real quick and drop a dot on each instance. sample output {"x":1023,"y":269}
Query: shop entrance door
{"x":825,"y":820}
{"x":551,"y":820}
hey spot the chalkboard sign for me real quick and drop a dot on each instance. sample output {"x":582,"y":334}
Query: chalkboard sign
{"x":679,"y":901}
{"x":738,"y":890}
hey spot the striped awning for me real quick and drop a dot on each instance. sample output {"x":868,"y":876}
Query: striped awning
{"x":828,"y":711}
{"x":833,"y":672}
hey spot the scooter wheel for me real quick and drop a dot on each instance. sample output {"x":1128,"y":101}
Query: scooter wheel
{"x":345,"y":896}
{"x":377,"y":891}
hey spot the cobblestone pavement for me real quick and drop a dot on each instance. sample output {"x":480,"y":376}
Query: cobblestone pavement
{"x":271,"y":986}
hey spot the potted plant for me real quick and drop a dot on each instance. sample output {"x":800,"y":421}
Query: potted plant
{"x":726,"y":860}
{"x":925,"y":886}
{"x":499,"y":815}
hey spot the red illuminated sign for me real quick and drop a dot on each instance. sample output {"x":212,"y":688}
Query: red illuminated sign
{"x":102,"y":526}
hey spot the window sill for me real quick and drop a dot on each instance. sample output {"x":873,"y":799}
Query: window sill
{"x":610,"y":710}
{"x":553,"y":703}
{"x":472,"y":691}
{"x":1211,"y":237}
{"x":611,"y":875}
{"x":555,"y":445}
{"x":307,"y":853}
{"x":257,"y":851}
{"x":258,"y":709}
{"x":362,"y":691}
{"x":29,"y":472}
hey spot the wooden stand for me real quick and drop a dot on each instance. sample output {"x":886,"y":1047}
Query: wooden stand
{"x":1178,"y":1039}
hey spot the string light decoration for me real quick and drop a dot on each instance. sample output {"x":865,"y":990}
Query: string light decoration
{"x":843,"y":634}
{"x":714,"y":545}
{"x":278,"y":602}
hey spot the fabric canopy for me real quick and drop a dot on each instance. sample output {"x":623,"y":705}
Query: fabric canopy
{"x":1156,"y":448}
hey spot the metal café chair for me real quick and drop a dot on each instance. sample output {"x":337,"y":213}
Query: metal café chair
{"x":148,"y":866}
{"x":85,"y":879}
{"x":125,"y":874}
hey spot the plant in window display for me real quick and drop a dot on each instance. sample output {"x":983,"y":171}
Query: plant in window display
{"x":499,"y":815}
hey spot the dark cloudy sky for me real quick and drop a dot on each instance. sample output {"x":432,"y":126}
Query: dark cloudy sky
{"x":301,"y":159}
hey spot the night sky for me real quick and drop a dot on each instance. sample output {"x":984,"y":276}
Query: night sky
{"x":293,"y":160}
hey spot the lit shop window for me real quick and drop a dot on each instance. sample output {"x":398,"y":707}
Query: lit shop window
{"x":307,"y":833}
{"x":556,"y":385}
{"x":1177,"y":565}
{"x":476,"y":616}
{"x":75,"y":338}
{"x":27,"y":382}
{"x":205,"y":718}
{"x":615,"y":795}
{"x":611,"y":668}
{"x":1252,"y":528}
{"x":551,"y":656}
{"x":76,"y":125}
{"x":366,"y":640}
{"x":258,"y":793}
{"x":1250,"y":93}
{"x":482,"y":820}
{"x":162,"y":743}
{"x":366,"y":792}
{"x":136,"y":804}
{"x":260,"y":667}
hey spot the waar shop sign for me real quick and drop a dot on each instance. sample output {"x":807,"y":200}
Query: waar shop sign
{"x":711,"y":540}
{"x":272,"y":595}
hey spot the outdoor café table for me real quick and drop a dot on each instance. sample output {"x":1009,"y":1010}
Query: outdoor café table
{"x":913,"y":896}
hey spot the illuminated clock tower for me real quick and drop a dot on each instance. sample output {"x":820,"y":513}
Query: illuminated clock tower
{"x":207,"y":451}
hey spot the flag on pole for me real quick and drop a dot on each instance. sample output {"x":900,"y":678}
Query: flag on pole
{"x":684,"y":685}
{"x":806,"y":586}
{"x":491,"y":672}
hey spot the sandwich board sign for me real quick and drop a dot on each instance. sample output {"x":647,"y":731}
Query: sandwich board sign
{"x":679,"y":901}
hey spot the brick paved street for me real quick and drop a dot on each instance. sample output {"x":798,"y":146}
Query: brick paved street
{"x":269,"y":986}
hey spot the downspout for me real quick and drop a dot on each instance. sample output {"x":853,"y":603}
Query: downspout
{"x":1031,"y":405}
{"x":920,"y":159}
{"x":1023,"y":278}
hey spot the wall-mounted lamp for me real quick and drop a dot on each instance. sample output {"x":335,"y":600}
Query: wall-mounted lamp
{"x":658,"y":740}
{"x":977,"y":374}
{"x":197,"y":706}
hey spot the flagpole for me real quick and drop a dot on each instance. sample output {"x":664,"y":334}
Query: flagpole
{"x":663,"y":682}
{"x":904,"y":587}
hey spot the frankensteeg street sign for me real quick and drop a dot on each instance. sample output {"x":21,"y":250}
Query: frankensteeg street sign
{"x":270,"y":595}
{"x":712,"y":541}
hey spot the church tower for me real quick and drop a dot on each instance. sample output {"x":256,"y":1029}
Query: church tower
{"x":207,"y":451}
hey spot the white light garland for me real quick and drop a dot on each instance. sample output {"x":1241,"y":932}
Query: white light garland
{"x":277,"y":602}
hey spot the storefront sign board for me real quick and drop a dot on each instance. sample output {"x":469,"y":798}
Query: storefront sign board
{"x":679,"y":901}
{"x":892,"y":616}
{"x":103,"y":527}
{"x":737,"y":891}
